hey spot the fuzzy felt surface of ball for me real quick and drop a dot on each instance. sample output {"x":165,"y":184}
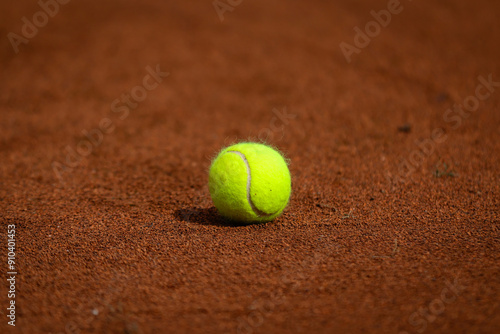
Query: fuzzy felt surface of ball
{"x":250,"y":182}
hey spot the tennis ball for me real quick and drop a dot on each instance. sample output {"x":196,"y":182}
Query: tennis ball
{"x":250,"y":182}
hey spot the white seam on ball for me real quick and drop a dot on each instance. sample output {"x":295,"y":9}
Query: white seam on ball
{"x":249,"y":181}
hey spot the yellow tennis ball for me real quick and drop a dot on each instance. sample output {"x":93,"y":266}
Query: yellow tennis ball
{"x":250,"y":182}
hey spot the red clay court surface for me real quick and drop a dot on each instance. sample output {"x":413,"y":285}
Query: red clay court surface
{"x":390,"y":120}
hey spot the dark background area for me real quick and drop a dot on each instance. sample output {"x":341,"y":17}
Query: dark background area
{"x":393,"y":221}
